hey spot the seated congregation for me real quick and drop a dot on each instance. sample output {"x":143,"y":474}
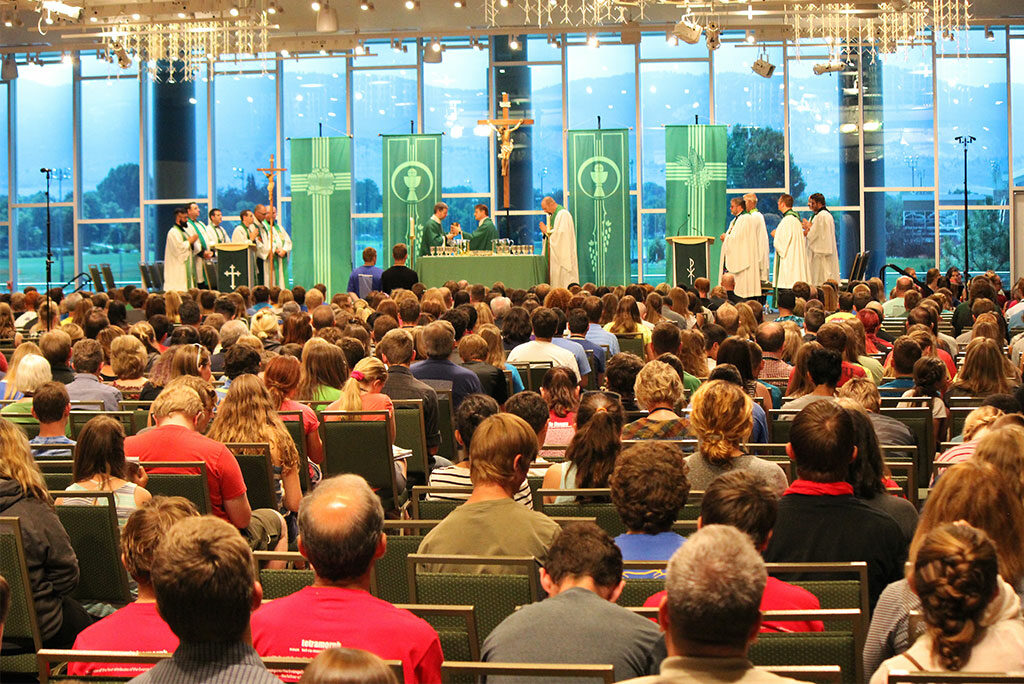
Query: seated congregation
{"x":631,"y":483}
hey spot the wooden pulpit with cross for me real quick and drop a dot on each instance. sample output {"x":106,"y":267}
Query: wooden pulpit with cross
{"x":504,"y":127}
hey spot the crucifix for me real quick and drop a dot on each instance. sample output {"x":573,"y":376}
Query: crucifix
{"x":504,"y":128}
{"x":270,"y":173}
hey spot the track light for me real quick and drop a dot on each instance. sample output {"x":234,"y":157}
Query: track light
{"x":136,"y":16}
{"x":750,"y":38}
{"x":713,"y":36}
{"x":829,"y":67}
{"x":412,"y":4}
{"x":124,"y":60}
{"x":285,"y":53}
{"x":671,"y":39}
{"x":503,"y":3}
{"x":458,"y":4}
{"x":688,"y":30}
{"x":326,"y":19}
{"x":592,"y":40}
{"x":315,"y":6}
{"x":989,"y":34}
{"x":359,"y":49}
{"x":8,"y":20}
{"x":62,"y":9}
{"x":432,"y":54}
{"x":435,"y":45}
{"x":366,"y":5}
{"x":9,"y":70}
{"x":513,"y":43}
{"x":233,"y":11}
{"x":396,"y":45}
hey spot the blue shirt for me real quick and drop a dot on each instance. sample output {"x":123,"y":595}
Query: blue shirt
{"x":898,"y":383}
{"x":59,"y":440}
{"x":759,"y":435}
{"x":648,"y":547}
{"x":353,"y":280}
{"x":598,"y":350}
{"x":87,"y":387}
{"x":600,"y":336}
{"x":517,"y":380}
{"x":464,"y":381}
{"x":577,"y":350}
{"x":799,"y":320}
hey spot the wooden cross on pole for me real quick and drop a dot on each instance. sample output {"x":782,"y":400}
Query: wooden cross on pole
{"x":504,"y":128}
{"x":270,"y":173}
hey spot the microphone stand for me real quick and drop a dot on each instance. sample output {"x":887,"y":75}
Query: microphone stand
{"x":49,"y":247}
{"x":965,"y":140}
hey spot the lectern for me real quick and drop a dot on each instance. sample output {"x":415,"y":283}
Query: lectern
{"x":690,"y":255}
{"x":236,"y":265}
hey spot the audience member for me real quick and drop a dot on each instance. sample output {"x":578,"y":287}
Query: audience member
{"x":87,"y":358}
{"x":347,"y":666}
{"x":438,"y":341}
{"x":659,"y":391}
{"x":51,"y":407}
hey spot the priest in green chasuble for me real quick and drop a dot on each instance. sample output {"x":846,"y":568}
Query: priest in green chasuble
{"x":433,"y":233}
{"x":559,"y":244}
{"x":480,"y":239}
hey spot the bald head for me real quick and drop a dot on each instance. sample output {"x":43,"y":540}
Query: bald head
{"x":770,"y":337}
{"x":548,"y":204}
{"x":341,"y":529}
{"x":903,"y":283}
{"x":728,"y":282}
{"x":260,"y":211}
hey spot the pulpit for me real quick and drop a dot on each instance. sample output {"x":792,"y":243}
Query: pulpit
{"x":236,"y":265}
{"x":690,"y":256}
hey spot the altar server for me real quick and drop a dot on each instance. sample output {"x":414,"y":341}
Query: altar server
{"x":791,"y":258}
{"x":280,"y":251}
{"x":559,"y":244}
{"x":821,"y":241}
{"x":761,"y":231}
{"x":740,"y":255}
{"x":179,"y":260}
{"x":481,"y":238}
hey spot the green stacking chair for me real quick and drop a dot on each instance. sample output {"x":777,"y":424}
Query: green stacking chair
{"x":167,"y":479}
{"x":532,"y":373}
{"x":95,"y":537}
{"x":361,"y":447}
{"x":456,"y":625}
{"x":601,"y":509}
{"x":430,"y":509}
{"x":293,"y":423}
{"x":808,"y":648}
{"x":457,"y":670}
{"x":632,"y":343}
{"x":390,"y":580}
{"x":140,"y":413}
{"x":919,"y":420}
{"x":446,"y":426}
{"x":257,"y":472}
{"x":56,"y":473}
{"x":411,"y":433}
{"x":21,"y":623}
{"x":77,"y":420}
{"x":495,"y":596}
{"x":279,"y":582}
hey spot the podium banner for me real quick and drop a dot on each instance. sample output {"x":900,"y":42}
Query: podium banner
{"x":695,"y":183}
{"x":236,"y":265}
{"x":412,"y":186}
{"x":599,"y":203}
{"x":321,"y":188}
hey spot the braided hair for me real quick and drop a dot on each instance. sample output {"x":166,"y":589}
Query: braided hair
{"x":956,"y":575}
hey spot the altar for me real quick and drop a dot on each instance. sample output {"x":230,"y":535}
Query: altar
{"x":515,"y":270}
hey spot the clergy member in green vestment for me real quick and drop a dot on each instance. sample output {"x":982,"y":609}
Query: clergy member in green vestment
{"x":481,"y":238}
{"x":433,"y":233}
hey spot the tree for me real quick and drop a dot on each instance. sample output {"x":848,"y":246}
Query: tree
{"x":989,"y":242}
{"x":755,"y":160}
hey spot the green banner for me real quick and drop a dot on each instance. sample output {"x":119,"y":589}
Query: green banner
{"x":412,"y":186}
{"x":599,"y":203}
{"x":321,"y":187}
{"x":695,"y":201}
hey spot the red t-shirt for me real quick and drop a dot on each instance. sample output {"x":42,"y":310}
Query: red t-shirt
{"x":778,"y":595}
{"x":310,"y":423}
{"x":316,"y":618}
{"x":177,"y":443}
{"x":136,"y":627}
{"x":943,"y":356}
{"x":850,"y":370}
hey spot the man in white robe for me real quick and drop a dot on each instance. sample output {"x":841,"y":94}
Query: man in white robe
{"x":560,"y":244}
{"x":179,"y":260}
{"x":203,"y":245}
{"x":280,"y":251}
{"x":761,"y":230}
{"x":821,"y":241}
{"x":740,"y":254}
{"x":219,"y":233}
{"x":248,"y":232}
{"x":263,"y":247}
{"x":791,"y":259}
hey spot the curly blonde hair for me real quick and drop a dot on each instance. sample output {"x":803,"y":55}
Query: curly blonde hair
{"x":657,"y":384}
{"x":248,"y":414}
{"x":721,"y":418}
{"x":264,"y":324}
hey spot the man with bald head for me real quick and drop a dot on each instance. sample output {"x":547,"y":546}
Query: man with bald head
{"x":770,"y":338}
{"x":341,"y":534}
{"x":895,"y":305}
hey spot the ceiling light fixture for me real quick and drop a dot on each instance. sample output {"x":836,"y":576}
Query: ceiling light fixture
{"x":315,"y":6}
{"x":366,"y":5}
{"x":592,"y":40}
{"x":285,"y":53}
{"x":435,"y":45}
{"x":989,"y":34}
{"x":233,"y":11}
{"x":688,"y":30}
{"x":9,"y":70}
{"x":326,"y":20}
{"x":513,"y":43}
{"x":750,"y":38}
{"x":713,"y":36}
{"x":62,"y":8}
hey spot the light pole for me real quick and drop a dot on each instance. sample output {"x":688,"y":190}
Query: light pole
{"x":966,"y":140}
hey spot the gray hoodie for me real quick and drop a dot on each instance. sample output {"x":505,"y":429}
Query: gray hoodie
{"x":52,"y":565}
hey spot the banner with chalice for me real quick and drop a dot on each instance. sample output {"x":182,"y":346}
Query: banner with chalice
{"x":412,"y":186}
{"x":321,"y":189}
{"x":599,"y":203}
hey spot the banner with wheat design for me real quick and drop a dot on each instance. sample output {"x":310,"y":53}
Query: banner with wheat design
{"x":599,"y":203}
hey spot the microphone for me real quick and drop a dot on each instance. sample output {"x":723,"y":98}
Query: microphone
{"x":45,"y":170}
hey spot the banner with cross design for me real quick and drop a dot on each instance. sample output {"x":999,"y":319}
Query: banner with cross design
{"x":321,"y":190}
{"x":412,"y":186}
{"x":599,"y":203}
{"x":695,"y":171}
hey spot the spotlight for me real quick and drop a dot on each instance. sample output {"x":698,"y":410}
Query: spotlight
{"x":9,"y":22}
{"x":671,"y":39}
{"x":62,"y":8}
{"x":49,"y":19}
{"x":829,"y":67}
{"x":315,"y":6}
{"x":396,"y":45}
{"x":136,"y":16}
{"x":366,"y":5}
{"x":412,"y":4}
{"x":181,"y":15}
{"x":503,"y":3}
{"x":67,"y":58}
{"x":687,"y":30}
{"x":123,"y":59}
{"x":713,"y":36}
{"x":513,"y":43}
{"x":233,"y":11}
{"x":899,"y":5}
{"x":750,"y":38}
{"x":326,"y":20}
{"x":359,"y":49}
{"x":762,"y":67}
{"x":93,"y":19}
{"x":9,"y":70}
{"x":458,"y":4}
{"x":433,"y":55}
{"x":592,"y":40}
{"x":435,"y":45}
{"x":285,"y":53}
{"x":989,"y":34}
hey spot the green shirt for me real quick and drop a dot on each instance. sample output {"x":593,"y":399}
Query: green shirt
{"x":432,"y":235}
{"x":481,"y":238}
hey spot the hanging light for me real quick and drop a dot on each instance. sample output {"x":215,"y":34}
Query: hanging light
{"x":513,"y":43}
{"x":326,"y":19}
{"x":315,"y":5}
{"x":435,"y":45}
{"x":9,"y":70}
{"x":233,"y":11}
{"x":592,"y":40}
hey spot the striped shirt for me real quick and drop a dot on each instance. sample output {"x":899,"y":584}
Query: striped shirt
{"x":210,"y":663}
{"x":954,"y":454}
{"x":455,"y":476}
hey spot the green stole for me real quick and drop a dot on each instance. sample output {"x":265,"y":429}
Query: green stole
{"x":791,"y":213}
{"x":278,"y":262}
{"x":199,"y":232}
{"x":222,"y":235}
{"x":190,"y":263}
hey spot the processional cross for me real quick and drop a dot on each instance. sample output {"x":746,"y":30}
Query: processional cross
{"x":270,"y":173}
{"x":504,"y":128}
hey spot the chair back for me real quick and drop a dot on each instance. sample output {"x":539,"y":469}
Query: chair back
{"x":280,"y":582}
{"x":257,"y":473}
{"x":180,"y":478}
{"x":354,"y":445}
{"x":495,"y":596}
{"x":920,"y":422}
{"x":633,"y":344}
{"x":56,"y":473}
{"x":593,"y":378}
{"x":140,"y":413}
{"x":540,"y":672}
{"x":95,"y":537}
{"x":297,"y":431}
{"x":436,"y":509}
{"x":456,"y":625}
{"x":390,"y":580}
{"x":446,"y":425}
{"x":957,"y":418}
{"x":78,"y":418}
{"x":590,"y":503}
{"x":532,"y":373}
{"x":21,"y":623}
{"x":411,"y":433}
